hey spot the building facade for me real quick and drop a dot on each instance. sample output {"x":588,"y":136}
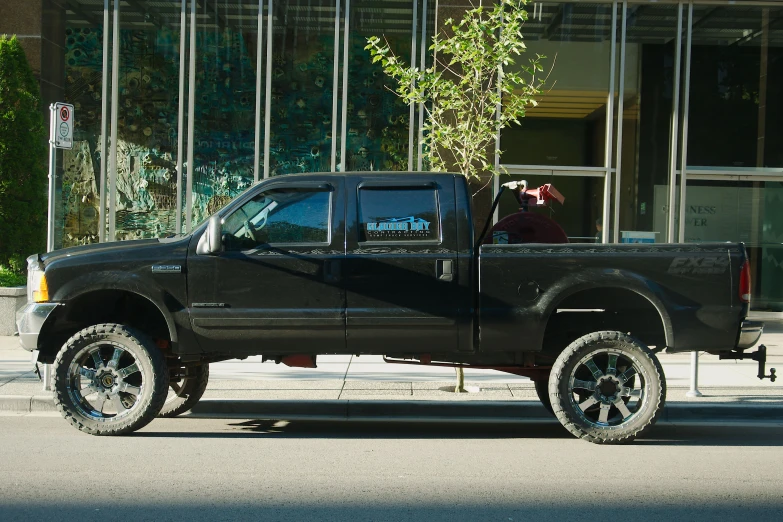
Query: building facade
{"x":182,"y":104}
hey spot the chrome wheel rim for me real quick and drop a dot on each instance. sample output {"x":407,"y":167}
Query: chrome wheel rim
{"x":608,"y":388}
{"x":105,"y":381}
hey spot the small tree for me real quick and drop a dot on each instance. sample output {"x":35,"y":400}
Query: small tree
{"x":22,"y":159}
{"x":463,"y":90}
{"x":469,"y":93}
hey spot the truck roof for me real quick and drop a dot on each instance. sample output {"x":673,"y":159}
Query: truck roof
{"x":372,"y":173}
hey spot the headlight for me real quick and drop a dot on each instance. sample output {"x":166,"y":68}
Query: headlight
{"x":37,"y":288}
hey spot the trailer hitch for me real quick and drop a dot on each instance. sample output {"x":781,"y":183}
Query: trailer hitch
{"x":760,"y":355}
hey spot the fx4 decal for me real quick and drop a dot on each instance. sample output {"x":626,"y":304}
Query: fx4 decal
{"x":699,"y":265}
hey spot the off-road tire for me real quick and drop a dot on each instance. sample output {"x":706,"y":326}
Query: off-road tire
{"x":151,"y":363}
{"x":542,"y":390}
{"x":191,"y":390}
{"x":567,"y":411}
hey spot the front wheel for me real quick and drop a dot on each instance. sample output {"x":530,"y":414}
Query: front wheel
{"x":607,"y":388}
{"x":110,"y":379}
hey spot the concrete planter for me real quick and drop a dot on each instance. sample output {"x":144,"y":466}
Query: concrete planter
{"x":11,"y":300}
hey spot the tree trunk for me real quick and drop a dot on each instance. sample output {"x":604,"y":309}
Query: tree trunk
{"x":460,"y":387}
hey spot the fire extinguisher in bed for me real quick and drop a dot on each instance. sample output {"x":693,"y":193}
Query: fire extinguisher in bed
{"x":526,"y":226}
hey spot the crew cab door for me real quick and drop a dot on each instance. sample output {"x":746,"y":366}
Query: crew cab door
{"x":401,"y":271}
{"x":276,"y":287}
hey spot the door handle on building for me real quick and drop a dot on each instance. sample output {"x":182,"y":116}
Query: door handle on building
{"x":444,"y":269}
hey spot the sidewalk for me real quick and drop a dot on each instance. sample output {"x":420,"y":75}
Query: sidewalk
{"x":731,"y":389}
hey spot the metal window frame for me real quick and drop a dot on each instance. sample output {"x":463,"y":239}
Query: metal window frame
{"x":606,"y":216}
{"x":183,"y":33}
{"x":684,"y":133}
{"x":412,"y":108}
{"x":423,"y":65}
{"x":115,"y":87}
{"x":335,"y":83}
{"x":191,"y":117}
{"x":620,"y":109}
{"x":344,"y":117}
{"x":674,"y":130}
{"x":104,"y":115}
{"x":259,"y":63}
{"x":268,"y":91}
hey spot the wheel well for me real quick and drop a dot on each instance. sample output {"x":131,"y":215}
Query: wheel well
{"x":104,"y":306}
{"x":597,"y":309}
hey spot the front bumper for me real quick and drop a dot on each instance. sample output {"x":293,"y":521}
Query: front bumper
{"x":30,"y":320}
{"x":750,"y":332}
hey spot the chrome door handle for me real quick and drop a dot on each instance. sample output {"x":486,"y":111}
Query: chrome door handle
{"x":444,"y":270}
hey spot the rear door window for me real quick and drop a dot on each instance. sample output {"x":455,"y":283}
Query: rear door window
{"x":399,"y":215}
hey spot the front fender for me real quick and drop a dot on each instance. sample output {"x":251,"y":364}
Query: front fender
{"x":119,"y":281}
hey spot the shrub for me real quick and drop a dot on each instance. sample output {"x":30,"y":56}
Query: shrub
{"x":8,"y":278}
{"x":22,"y":159}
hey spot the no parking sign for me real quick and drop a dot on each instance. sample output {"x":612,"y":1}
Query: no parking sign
{"x":62,"y":126}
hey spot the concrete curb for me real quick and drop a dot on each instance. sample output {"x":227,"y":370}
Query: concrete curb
{"x":418,"y":411}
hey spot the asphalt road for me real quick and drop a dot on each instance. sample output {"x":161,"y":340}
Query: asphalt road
{"x":217,"y":469}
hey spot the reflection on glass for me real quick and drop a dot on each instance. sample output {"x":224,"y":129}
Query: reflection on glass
{"x":78,"y":218}
{"x":378,"y":122}
{"x":302,"y":79}
{"x":581,"y":213}
{"x":569,"y":125}
{"x":279,"y":216}
{"x":147,"y":126}
{"x":736,"y":87}
{"x":226,"y":47}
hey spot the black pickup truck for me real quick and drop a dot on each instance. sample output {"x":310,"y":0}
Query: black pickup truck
{"x":377,"y":263}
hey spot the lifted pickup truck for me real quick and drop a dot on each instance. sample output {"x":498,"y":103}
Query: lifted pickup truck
{"x":377,"y":263}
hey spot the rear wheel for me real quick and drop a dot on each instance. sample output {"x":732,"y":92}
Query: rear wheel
{"x":186,"y":391}
{"x":607,"y":388}
{"x":109,"y":379}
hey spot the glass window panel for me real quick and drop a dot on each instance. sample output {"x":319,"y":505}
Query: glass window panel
{"x":569,"y":125}
{"x":147,"y":123}
{"x":651,"y":33}
{"x":77,"y":211}
{"x":378,"y":121}
{"x":279,"y":216}
{"x":751,"y":212}
{"x":302,"y":86}
{"x":736,"y":87}
{"x":402,"y":215}
{"x":225,"y":108}
{"x":147,"y":127}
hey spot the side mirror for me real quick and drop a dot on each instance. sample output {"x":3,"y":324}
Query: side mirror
{"x":211,"y":241}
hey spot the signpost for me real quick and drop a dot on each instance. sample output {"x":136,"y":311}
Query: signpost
{"x":60,"y":137}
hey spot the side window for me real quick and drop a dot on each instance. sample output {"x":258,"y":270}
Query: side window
{"x":405,"y":214}
{"x":279,"y":216}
